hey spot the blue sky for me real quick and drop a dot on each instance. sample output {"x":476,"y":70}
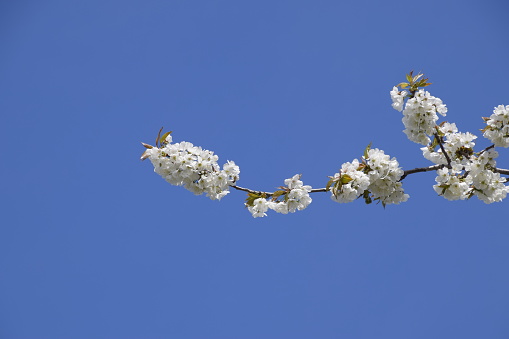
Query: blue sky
{"x":93,"y":244}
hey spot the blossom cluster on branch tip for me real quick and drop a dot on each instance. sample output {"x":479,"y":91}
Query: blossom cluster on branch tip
{"x":290,"y":198}
{"x":377,"y":178}
{"x":461,"y":172}
{"x":497,"y":129}
{"x":419,"y":113}
{"x":468,"y":173}
{"x":183,"y":164}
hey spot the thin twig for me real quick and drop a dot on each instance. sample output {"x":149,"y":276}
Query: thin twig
{"x":443,"y":151}
{"x":251,"y":191}
{"x":421,"y":169}
{"x":501,"y":171}
{"x":487,"y":148}
{"x":405,"y":174}
{"x":269,"y":194}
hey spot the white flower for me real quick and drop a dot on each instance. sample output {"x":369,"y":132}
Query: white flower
{"x":459,"y":146}
{"x":472,"y":177}
{"x":293,"y":182}
{"x":183,"y":164}
{"x":296,"y":199}
{"x":384,"y":175}
{"x":379,"y":175}
{"x":398,"y":98}
{"x":354,"y":183}
{"x":489,"y":186}
{"x":451,"y":186}
{"x":168,"y":139}
{"x":497,"y":129}
{"x":420,"y":115}
{"x":260,"y":206}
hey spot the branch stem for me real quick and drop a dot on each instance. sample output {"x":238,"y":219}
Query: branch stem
{"x":405,"y":174}
{"x":439,"y":140}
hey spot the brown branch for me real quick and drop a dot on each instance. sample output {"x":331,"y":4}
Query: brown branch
{"x":443,"y":150}
{"x":421,"y":169}
{"x":487,"y":148}
{"x":405,"y":174}
{"x":501,"y":171}
{"x":269,"y":194}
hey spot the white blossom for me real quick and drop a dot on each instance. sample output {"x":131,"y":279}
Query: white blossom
{"x":420,"y":115}
{"x":459,"y":146}
{"x":489,"y":186}
{"x":398,"y":98}
{"x":497,"y":129}
{"x":183,"y":164}
{"x":355,"y":182}
{"x":260,"y":206}
{"x":384,"y":175}
{"x":378,"y":174}
{"x":451,"y":185}
{"x":472,"y":177}
{"x":296,"y":198}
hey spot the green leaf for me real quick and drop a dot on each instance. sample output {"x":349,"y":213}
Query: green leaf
{"x":163,"y":138}
{"x":433,"y":145}
{"x":345,"y":179}
{"x":366,"y":150}
{"x":403,"y":84}
{"x":423,"y":83}
{"x":409,"y":76}
{"x":329,"y":183}
{"x":251,"y":197}
{"x":277,"y":194}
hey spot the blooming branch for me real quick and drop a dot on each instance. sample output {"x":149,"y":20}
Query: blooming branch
{"x":461,"y":172}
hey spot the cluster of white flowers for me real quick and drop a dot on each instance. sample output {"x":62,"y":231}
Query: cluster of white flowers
{"x":451,"y":184}
{"x":296,"y":197}
{"x":183,"y":164}
{"x":384,"y":174}
{"x":378,"y":174}
{"x":419,"y":115}
{"x":398,"y":98}
{"x":469,"y":173}
{"x":352,"y":182}
{"x":477,"y":178}
{"x":458,"y":146}
{"x":487,"y":185}
{"x":497,"y":129}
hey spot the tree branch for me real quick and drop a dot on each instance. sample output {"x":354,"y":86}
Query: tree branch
{"x":487,"y":148}
{"x":269,"y":194}
{"x":501,"y":171}
{"x":439,"y":140}
{"x":421,"y":169}
{"x":405,"y":174}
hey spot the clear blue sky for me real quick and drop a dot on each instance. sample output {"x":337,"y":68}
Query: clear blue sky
{"x":93,"y":244}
